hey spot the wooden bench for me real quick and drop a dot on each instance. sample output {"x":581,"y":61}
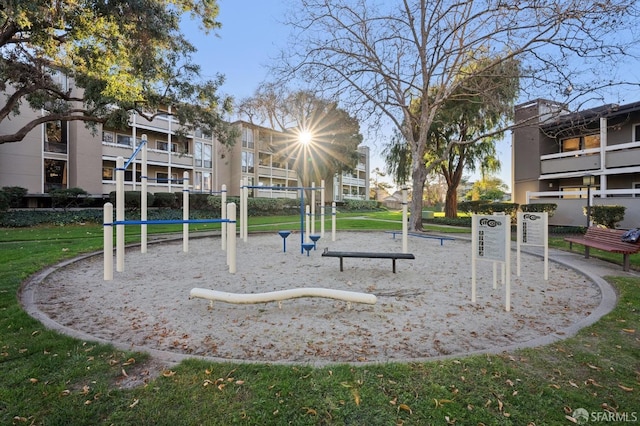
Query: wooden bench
{"x":416,"y":234}
{"x":607,"y":240}
{"x":367,"y":255}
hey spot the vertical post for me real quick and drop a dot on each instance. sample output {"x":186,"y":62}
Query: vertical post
{"x":506,"y":267}
{"x":333,"y":221}
{"x":405,"y":222}
{"x":308,"y":225}
{"x":223,"y":215}
{"x":120,"y":214}
{"x":185,"y":211}
{"x":322,"y":208}
{"x":143,"y":196}
{"x":245,"y":219}
{"x":302,"y":219}
{"x":242,"y":207}
{"x":474,"y":253}
{"x":107,"y":230}
{"x":231,"y":237}
{"x":312,"y":218}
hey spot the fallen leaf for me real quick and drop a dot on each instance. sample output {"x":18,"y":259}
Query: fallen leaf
{"x":625,"y":388}
{"x":571,"y":419}
{"x":629,"y":330}
{"x":33,"y":380}
{"x":134,"y":403}
{"x":356,"y":396}
{"x":405,"y":407}
{"x":168,"y":373}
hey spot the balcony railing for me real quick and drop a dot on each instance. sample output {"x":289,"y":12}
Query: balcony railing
{"x":615,"y":156}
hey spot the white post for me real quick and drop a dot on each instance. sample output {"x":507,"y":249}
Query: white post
{"x":120,"y":214}
{"x":143,"y":196}
{"x":307,"y":212}
{"x":231,"y":238}
{"x":333,"y":221}
{"x":474,"y":251}
{"x":223,"y":215}
{"x":405,"y":222}
{"x":243,"y":205}
{"x":322,"y":208}
{"x":108,"y":241}
{"x":245,"y":219}
{"x":313,"y":208}
{"x":185,"y":211}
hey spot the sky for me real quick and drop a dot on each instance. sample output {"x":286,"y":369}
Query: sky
{"x":250,"y":38}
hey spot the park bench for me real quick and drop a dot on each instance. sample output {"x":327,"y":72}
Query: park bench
{"x":367,"y":255}
{"x":607,"y":240}
{"x":417,"y":234}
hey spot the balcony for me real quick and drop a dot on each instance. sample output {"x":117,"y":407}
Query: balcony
{"x":585,"y":160}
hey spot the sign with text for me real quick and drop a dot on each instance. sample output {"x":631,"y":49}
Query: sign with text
{"x":533,"y":230}
{"x":491,"y":240}
{"x":490,"y":235}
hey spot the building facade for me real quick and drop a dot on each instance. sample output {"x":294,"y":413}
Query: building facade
{"x":567,"y":157}
{"x":68,"y":154}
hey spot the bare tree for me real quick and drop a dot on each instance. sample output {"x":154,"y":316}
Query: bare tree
{"x":378,"y":57}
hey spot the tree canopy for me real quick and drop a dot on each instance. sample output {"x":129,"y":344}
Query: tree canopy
{"x":119,"y":55}
{"x":378,"y":57}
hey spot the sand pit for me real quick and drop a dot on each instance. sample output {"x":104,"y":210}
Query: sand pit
{"x":422,"y":311}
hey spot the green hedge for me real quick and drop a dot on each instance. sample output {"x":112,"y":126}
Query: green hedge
{"x":131,"y":199}
{"x":549,"y":208}
{"x":607,"y":216}
{"x":165,"y":200}
{"x":69,"y":197}
{"x":361,"y":205}
{"x":15,"y":195}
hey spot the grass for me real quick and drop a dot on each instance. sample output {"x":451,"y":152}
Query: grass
{"x":47,"y":378}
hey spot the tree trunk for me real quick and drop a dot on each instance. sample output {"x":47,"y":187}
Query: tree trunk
{"x":419,"y":176}
{"x":451,"y":202}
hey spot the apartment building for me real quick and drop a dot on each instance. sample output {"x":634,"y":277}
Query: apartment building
{"x":68,"y":154}
{"x":566,"y":157}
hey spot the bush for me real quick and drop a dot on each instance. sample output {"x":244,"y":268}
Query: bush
{"x":549,"y":208}
{"x":472,"y":206}
{"x":131,"y":199}
{"x":361,"y":205}
{"x":69,"y":197}
{"x":26,"y":218}
{"x":165,"y":200}
{"x":4,"y":201}
{"x":607,"y":216}
{"x":14,"y":194}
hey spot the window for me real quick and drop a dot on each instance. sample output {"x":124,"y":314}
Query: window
{"x":636,"y":133}
{"x":247,"y":162}
{"x":206,"y":156}
{"x":123,"y":140}
{"x":198,"y":154}
{"x":197,"y":184}
{"x":572,"y":144}
{"x":206,"y":181}
{"x":580,"y":142}
{"x":55,"y":137}
{"x":162,"y":145}
{"x":162,"y":177}
{"x":108,"y":173}
{"x":247,"y":137}
{"x":264,"y":159}
{"x":55,"y":174}
{"x":107,"y":137}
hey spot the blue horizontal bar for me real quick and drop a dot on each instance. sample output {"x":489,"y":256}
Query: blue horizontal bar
{"x":167,"y":221}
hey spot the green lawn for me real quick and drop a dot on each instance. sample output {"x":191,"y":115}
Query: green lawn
{"x":46,"y":378}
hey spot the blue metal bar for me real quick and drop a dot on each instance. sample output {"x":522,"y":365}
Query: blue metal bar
{"x":167,"y":221}
{"x":133,"y":156}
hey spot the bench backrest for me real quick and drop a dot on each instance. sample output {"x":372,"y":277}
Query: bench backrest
{"x":609,"y":236}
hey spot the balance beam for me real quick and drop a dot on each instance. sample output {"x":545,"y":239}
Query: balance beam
{"x":278,"y":296}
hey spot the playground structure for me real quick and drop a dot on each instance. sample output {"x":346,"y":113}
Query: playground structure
{"x":279,"y":296}
{"x":307,"y":227}
{"x":228,"y":216}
